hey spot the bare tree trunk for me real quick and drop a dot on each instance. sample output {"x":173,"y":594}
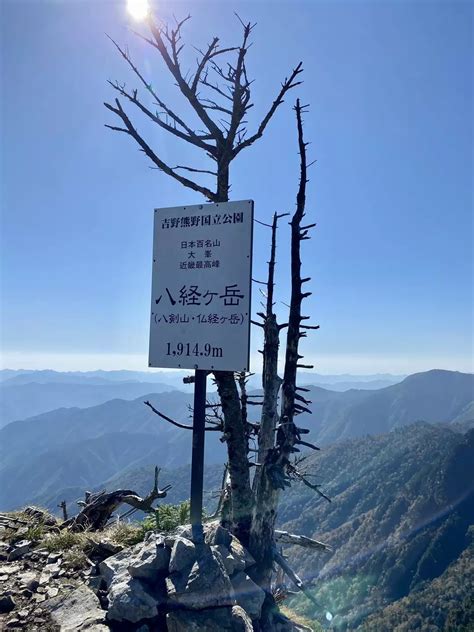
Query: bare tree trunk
{"x":265,"y":494}
{"x":235,"y":432}
{"x":275,"y":453}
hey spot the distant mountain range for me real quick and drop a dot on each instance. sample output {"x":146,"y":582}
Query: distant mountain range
{"x":74,"y":447}
{"x":434,"y":396}
{"x":26,"y":394}
{"x":175,"y":378}
{"x":45,"y":376}
{"x":22,"y":400}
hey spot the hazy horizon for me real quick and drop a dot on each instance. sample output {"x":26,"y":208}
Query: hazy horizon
{"x":336,"y":366}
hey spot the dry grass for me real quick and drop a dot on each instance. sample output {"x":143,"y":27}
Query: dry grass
{"x":64,"y":541}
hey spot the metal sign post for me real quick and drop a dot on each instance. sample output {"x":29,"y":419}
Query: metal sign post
{"x":200,"y":307}
{"x":197,"y":462}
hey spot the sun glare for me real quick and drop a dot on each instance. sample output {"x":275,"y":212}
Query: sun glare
{"x":138,"y":9}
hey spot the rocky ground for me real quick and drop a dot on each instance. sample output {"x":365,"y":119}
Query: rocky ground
{"x":52,"y":580}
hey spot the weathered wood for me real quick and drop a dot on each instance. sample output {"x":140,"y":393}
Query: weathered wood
{"x":263,"y":518}
{"x":63,"y":507}
{"x":283,"y":537}
{"x":98,"y":508}
{"x":299,"y":583}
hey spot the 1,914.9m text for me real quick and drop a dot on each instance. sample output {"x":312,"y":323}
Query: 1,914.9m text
{"x":193,"y":349}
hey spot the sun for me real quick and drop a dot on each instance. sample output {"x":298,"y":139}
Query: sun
{"x":138,"y":9}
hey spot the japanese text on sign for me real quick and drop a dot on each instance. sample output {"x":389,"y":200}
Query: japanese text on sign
{"x":200,"y":307}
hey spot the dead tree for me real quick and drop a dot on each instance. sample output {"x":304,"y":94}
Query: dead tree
{"x":98,"y":508}
{"x":218,"y":92}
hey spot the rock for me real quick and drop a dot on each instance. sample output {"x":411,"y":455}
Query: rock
{"x":231,"y":563}
{"x":95,"y":583}
{"x":183,"y":555}
{"x":40,"y":515}
{"x":23,"y":614}
{"x":183,"y":531}
{"x":9,"y":569}
{"x":241,"y":621}
{"x":143,"y":628}
{"x":53,"y":569}
{"x":152,"y":558}
{"x":13,"y":623}
{"x":54,"y":557}
{"x":29,"y":580}
{"x":3,"y":578}
{"x":52,"y":592}
{"x":207,"y":585}
{"x":114,"y":565}
{"x":130,"y":601}
{"x":103,"y":549}
{"x":6,"y":604}
{"x":217,"y":534}
{"x":211,"y":620}
{"x":4,"y":551}
{"x":78,"y":610}
{"x":19,"y":550}
{"x":50,"y":571}
{"x":249,"y":596}
{"x":239,"y":552}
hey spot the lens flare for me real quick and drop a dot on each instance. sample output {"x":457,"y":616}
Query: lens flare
{"x":138,"y":9}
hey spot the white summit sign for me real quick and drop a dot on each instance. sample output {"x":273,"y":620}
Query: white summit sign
{"x":201,"y":287}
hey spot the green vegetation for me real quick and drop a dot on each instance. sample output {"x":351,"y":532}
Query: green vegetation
{"x":402,"y":507}
{"x":297,"y":618}
{"x":164,"y":519}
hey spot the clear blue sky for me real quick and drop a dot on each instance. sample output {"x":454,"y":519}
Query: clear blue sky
{"x":390,"y":88}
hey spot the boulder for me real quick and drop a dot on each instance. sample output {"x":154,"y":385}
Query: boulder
{"x":217,"y":534}
{"x":211,"y":620}
{"x":29,"y":580}
{"x":77,"y":610}
{"x":248,"y":595}
{"x":13,"y":623}
{"x":115,"y":565}
{"x":207,"y":585}
{"x":19,"y":550}
{"x":152,"y":558}
{"x":240,"y":552}
{"x":241,"y":621}
{"x":183,"y":555}
{"x":6,"y":604}
{"x":231,"y":563}
{"x":130,"y":601}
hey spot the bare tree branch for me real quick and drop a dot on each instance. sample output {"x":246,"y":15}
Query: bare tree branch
{"x":190,"y":136}
{"x":172,"y":63}
{"x":173,"y":421}
{"x":287,"y":85}
{"x":283,"y":537}
{"x":153,"y":157}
